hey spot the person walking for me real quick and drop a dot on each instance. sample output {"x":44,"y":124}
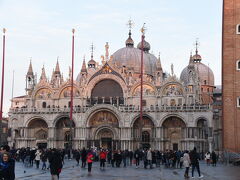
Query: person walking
{"x":186,"y":163}
{"x":77,"y":156}
{"x":102,"y":156}
{"x":194,"y":157}
{"x":44,"y":160}
{"x":38,"y":158}
{"x":90,"y":159}
{"x":55,"y":161}
{"x":137,"y":157}
{"x":84,"y":157}
{"x":214,"y":159}
{"x":149,"y":157}
{"x":7,"y":167}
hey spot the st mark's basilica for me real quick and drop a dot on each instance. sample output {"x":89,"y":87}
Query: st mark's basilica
{"x":177,"y":112}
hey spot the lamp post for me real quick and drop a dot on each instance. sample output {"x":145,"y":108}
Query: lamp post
{"x":2,"y":87}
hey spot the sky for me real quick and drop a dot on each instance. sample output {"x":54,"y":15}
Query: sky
{"x":41,"y":30}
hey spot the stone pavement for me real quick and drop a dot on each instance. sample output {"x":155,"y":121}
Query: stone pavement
{"x":72,"y":172}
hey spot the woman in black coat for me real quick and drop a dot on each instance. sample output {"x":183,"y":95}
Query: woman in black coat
{"x":55,"y":161}
{"x":7,"y":167}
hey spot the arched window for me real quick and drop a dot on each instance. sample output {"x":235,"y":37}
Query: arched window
{"x":238,"y":29}
{"x":238,"y":102}
{"x":238,"y":65}
{"x":44,"y":105}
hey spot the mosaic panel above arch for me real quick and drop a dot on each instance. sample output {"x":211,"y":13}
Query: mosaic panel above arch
{"x":103,"y":118}
{"x":66,"y":92}
{"x":43,"y":93}
{"x":147,"y":90}
{"x":173,"y":90}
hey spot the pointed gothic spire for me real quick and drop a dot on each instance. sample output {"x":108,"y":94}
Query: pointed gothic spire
{"x":53,"y":76}
{"x":159,"y":65}
{"x":84,"y":67}
{"x":191,"y":58}
{"x":57,"y":69}
{"x":43,"y":75}
{"x":30,"y":69}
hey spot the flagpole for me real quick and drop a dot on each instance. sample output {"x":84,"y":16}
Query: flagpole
{"x":141,"y":91}
{"x":71,"y":104}
{"x":13,"y":85}
{"x":2,"y":88}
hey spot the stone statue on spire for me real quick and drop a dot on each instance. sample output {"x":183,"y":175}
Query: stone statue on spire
{"x":107,"y":52}
{"x":172,"y":69}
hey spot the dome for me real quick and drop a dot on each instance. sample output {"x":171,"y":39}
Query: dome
{"x":131,"y":58}
{"x":197,"y":57}
{"x":146,"y":46}
{"x":205,"y":73}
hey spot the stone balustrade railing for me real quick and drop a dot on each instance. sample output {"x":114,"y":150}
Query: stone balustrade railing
{"x":79,"y":109}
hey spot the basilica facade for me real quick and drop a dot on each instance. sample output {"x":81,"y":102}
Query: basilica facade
{"x":177,"y":112}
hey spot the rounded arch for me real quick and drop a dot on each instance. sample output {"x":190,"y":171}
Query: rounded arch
{"x":112,"y":89}
{"x":173,"y":121}
{"x":102,"y":128}
{"x":65,"y":90}
{"x":180,"y":92}
{"x":42,"y":92}
{"x":144,"y":115}
{"x":36,"y":118}
{"x":102,"y":107}
{"x":103,"y":117}
{"x":172,"y":115}
{"x":63,"y":117}
{"x":97,"y":79}
{"x":148,"y":89}
{"x":201,"y":119}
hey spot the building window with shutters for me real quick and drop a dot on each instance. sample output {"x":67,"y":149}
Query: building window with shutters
{"x":238,"y":65}
{"x":238,"y":29}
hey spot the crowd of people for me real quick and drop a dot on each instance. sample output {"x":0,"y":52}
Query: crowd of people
{"x":86,"y":157}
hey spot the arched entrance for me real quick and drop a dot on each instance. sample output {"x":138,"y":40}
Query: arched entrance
{"x":38,"y":131}
{"x":107,"y":91}
{"x":103,"y":131}
{"x":143,"y":133}
{"x":105,"y":137}
{"x":173,"y":128}
{"x":63,"y":134}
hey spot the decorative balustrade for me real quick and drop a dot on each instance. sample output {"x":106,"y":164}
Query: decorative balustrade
{"x":123,"y":108}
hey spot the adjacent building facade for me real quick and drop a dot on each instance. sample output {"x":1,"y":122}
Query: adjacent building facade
{"x":231,"y":75}
{"x":177,"y":112}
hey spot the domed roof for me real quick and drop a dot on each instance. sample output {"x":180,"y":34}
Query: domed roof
{"x":197,"y":57}
{"x":146,"y":46}
{"x":131,"y":58}
{"x":205,"y":74}
{"x":91,"y":62}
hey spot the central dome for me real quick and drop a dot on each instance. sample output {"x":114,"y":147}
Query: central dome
{"x":130,"y":57}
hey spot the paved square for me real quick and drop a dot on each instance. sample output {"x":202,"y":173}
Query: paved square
{"x":71,"y":172}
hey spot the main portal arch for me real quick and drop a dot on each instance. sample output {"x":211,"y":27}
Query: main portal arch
{"x":103,"y":130}
{"x":173,"y":133}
